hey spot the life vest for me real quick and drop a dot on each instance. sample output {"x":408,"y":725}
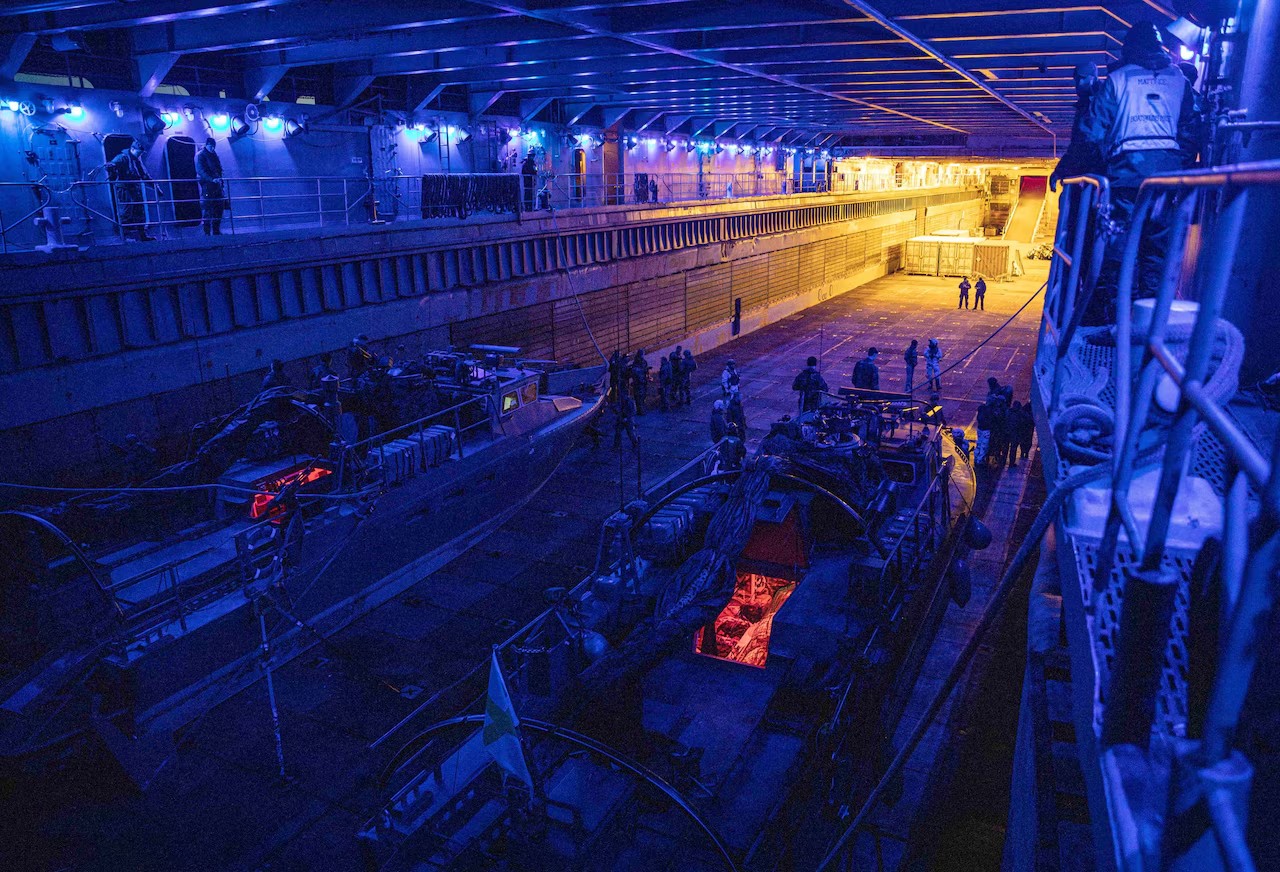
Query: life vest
{"x":1148,"y":106}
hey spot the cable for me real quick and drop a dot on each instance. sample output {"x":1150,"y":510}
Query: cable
{"x":977,"y":347}
{"x":173,"y":489}
{"x":555,"y":226}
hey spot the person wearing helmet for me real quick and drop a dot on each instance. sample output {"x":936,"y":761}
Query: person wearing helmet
{"x":128,"y":173}
{"x":719,"y":427}
{"x":1082,"y":157}
{"x":1143,"y":121}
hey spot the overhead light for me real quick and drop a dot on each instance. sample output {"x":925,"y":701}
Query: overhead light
{"x":631,"y":142}
{"x":463,"y":135}
{"x":272,"y":123}
{"x":189,"y":113}
{"x":295,"y":127}
{"x":669,"y":144}
{"x":74,"y":112}
{"x":733,"y":149}
{"x":650,"y":141}
{"x":514,"y":132}
{"x":1185,"y":53}
{"x":12,"y":105}
{"x":220,"y":121}
{"x":239,"y":127}
{"x":170,"y":119}
{"x":116,"y":107}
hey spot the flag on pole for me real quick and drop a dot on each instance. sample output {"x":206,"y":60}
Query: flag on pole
{"x":501,"y":736}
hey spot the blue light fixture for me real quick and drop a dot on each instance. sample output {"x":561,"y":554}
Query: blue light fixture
{"x":75,"y":112}
{"x":272,"y":123}
{"x":12,"y":105}
{"x":220,"y":121}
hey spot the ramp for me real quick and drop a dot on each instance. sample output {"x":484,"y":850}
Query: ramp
{"x":1026,"y":212}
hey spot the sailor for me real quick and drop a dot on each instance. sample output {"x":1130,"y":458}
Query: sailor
{"x":1082,"y":157}
{"x":139,"y":459}
{"x":866,"y":375}
{"x":734,"y":414}
{"x":730,"y":380}
{"x":676,"y":364}
{"x":986,"y":422}
{"x":687,"y":366}
{"x":911,"y":357}
{"x":1022,"y":430}
{"x":275,"y":377}
{"x":811,"y":386}
{"x":933,"y":365}
{"x":933,"y":414}
{"x":320,"y":370}
{"x":1000,"y":430}
{"x":640,"y":380}
{"x":964,"y":293}
{"x":358,"y":356}
{"x":994,"y":390}
{"x":979,"y":294}
{"x":624,"y":411}
{"x":1143,"y":121}
{"x":213,"y":194}
{"x":962,"y":444}
{"x":664,"y":384}
{"x":127,"y":174}
{"x":732,"y":451}
{"x":719,"y":427}
{"x":529,"y":179}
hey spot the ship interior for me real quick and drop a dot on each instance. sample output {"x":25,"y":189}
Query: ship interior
{"x":528,"y":435}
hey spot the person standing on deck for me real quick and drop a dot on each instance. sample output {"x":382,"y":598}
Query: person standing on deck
{"x":640,"y":380}
{"x":730,"y":379}
{"x":911,"y":357}
{"x":964,"y":293}
{"x":664,"y":384}
{"x":933,"y":365}
{"x":734,"y":414}
{"x":866,"y":375}
{"x":529,"y":179}
{"x":719,"y":427}
{"x":811,"y":386}
{"x":687,"y":366}
{"x":986,"y":422}
{"x":980,"y":294}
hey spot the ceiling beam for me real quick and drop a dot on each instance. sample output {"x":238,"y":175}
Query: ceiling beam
{"x":598,"y":30}
{"x":14,"y":48}
{"x":151,"y":71}
{"x":893,"y":27}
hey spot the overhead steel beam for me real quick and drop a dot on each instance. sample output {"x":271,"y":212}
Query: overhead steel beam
{"x":259,"y":81}
{"x":507,"y":39}
{"x":38,"y":18}
{"x":647,"y":120}
{"x":529,"y":109}
{"x":901,"y":32}
{"x":599,"y":30}
{"x":480,"y":101}
{"x":151,"y":71}
{"x":14,"y":49}
{"x":320,"y":25}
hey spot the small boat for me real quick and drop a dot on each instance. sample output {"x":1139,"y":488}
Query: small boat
{"x":716,"y":694}
{"x":295,"y":514}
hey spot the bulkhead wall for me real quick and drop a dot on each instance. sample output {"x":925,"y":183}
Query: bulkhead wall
{"x":151,"y":340}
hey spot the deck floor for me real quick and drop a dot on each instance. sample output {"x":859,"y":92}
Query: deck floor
{"x":218,"y":802}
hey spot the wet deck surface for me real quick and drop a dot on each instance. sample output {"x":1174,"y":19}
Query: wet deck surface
{"x":219,"y":803}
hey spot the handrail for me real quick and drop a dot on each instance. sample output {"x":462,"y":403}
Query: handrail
{"x":894,"y":558}
{"x":44,"y":194}
{"x":1248,"y":563}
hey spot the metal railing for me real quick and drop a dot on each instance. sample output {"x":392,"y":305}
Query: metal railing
{"x":481,"y":406}
{"x":172,"y":207}
{"x":12,"y":230}
{"x":1210,"y":772}
{"x":101,"y":211}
